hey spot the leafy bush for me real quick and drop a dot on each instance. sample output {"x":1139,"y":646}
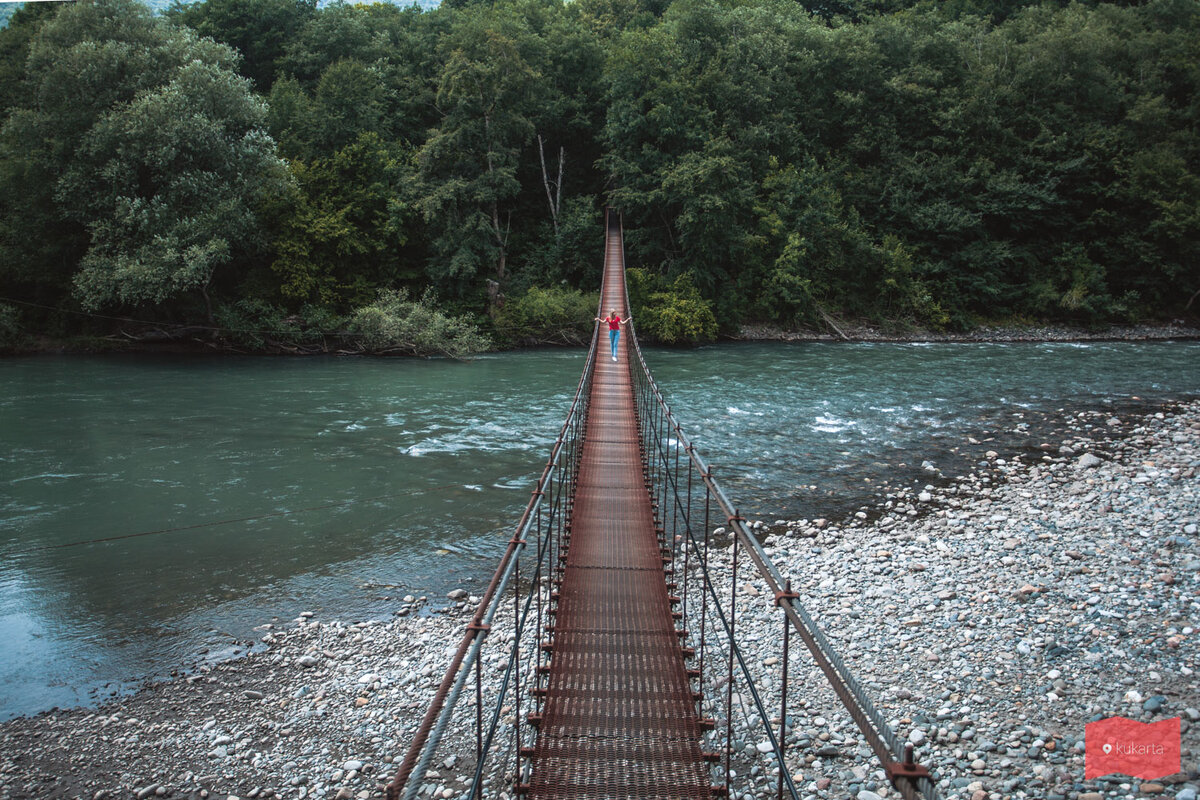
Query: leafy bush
{"x":903,"y":298}
{"x":252,"y":323}
{"x":670,"y":313}
{"x":1075,"y":287}
{"x":261,"y":325}
{"x":396,"y":324}
{"x":556,"y":315}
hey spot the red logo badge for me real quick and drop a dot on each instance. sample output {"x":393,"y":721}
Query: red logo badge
{"x":1138,"y":749}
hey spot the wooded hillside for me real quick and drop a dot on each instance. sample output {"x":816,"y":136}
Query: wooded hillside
{"x":358,"y":174}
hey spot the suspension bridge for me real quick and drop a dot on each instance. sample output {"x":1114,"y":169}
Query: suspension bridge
{"x":622,"y":670}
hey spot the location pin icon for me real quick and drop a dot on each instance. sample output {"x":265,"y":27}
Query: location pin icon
{"x":1107,"y":749}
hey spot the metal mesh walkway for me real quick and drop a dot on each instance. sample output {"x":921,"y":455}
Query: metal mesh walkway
{"x":619,"y":719}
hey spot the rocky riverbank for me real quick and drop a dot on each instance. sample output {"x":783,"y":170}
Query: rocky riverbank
{"x":990,"y":615}
{"x":854,"y":332}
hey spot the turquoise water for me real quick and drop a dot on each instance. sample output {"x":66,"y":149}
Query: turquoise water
{"x":155,"y":510}
{"x":778,"y":419}
{"x":323,"y":485}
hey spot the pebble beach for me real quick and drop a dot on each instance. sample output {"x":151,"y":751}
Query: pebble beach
{"x":990,"y":615}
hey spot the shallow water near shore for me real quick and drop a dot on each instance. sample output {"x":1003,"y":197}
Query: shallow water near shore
{"x":156,"y":510}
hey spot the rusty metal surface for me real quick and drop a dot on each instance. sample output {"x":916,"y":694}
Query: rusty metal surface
{"x":619,"y":719}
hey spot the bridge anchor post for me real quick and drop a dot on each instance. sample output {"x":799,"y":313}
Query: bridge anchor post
{"x":906,"y":770}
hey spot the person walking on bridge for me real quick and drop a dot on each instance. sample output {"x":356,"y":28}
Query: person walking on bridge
{"x":614,"y":329}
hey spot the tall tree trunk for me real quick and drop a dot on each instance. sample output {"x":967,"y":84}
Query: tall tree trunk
{"x":497,"y":231}
{"x":553,"y":197}
{"x":208,"y":307}
{"x":501,"y":241}
{"x":495,"y":298}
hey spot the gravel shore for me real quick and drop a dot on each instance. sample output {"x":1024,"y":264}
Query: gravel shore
{"x":994,"y":615}
{"x":1177,"y":330}
{"x":990,"y":616}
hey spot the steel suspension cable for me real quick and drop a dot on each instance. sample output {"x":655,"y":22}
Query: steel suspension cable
{"x":428,"y":735}
{"x":910,"y":780}
{"x":895,"y":759}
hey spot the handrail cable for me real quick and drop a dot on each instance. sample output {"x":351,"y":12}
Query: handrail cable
{"x":785,"y":773}
{"x":658,"y":433}
{"x":412,"y":769}
{"x":875,"y":730}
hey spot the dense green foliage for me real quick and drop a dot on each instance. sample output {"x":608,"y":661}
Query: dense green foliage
{"x":268,"y":165}
{"x":671,"y":312}
{"x":256,"y":324}
{"x":555,"y":315}
{"x":396,"y":324}
{"x":135,"y":166}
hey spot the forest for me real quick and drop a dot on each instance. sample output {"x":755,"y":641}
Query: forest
{"x":270,"y":175}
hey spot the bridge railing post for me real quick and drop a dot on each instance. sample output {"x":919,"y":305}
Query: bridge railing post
{"x":545,"y":519}
{"x":787,"y":595}
{"x":910,"y":781}
{"x":732,"y":634}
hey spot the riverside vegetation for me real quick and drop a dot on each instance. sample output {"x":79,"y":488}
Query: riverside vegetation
{"x":267,"y":174}
{"x":990,"y":615}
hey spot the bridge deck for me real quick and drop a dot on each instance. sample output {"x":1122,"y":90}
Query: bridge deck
{"x":619,"y":720}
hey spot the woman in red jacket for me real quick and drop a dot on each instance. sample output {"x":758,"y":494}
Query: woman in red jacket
{"x":614,"y":329}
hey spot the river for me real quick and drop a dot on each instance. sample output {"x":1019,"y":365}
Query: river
{"x":153,"y":511}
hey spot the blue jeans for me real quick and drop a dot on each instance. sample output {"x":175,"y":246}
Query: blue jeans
{"x":613,"y":336}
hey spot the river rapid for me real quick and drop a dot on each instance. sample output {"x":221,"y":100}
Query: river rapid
{"x":153,"y":511}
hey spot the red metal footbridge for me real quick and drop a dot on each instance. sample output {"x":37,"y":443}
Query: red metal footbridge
{"x":611,"y":623}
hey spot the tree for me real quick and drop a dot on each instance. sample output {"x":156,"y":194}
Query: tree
{"x":670,"y":313}
{"x":468,"y":165}
{"x":258,"y":29}
{"x":168,"y":186}
{"x":342,"y":238}
{"x":554,"y":237}
{"x":707,"y":184}
{"x":88,"y":58}
{"x":142,"y":148}
{"x":396,"y":324}
{"x":548,"y":316}
{"x":934,"y":163}
{"x":350,"y":100}
{"x":15,"y":40}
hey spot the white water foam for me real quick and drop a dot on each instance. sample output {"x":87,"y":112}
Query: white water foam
{"x":826,"y":423}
